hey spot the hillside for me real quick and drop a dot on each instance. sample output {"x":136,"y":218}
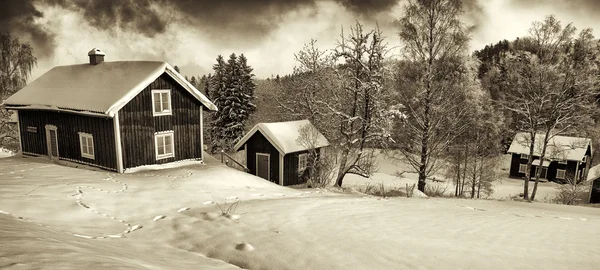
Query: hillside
{"x":75,"y":218}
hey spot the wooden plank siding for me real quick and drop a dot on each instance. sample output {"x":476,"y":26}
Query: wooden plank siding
{"x":570,"y":168}
{"x":290,"y":171}
{"x":259,"y":144}
{"x":138,"y":125}
{"x":68,"y":127}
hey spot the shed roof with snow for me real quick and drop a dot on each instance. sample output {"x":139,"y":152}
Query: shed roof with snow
{"x":558,"y":148}
{"x":284,"y":136}
{"x":99,"y":89}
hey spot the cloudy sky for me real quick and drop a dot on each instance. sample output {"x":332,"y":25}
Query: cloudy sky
{"x":191,"y":33}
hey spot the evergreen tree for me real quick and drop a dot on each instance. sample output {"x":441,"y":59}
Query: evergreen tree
{"x":193,"y":81}
{"x":217,"y":93}
{"x":177,"y":69}
{"x":248,"y":85}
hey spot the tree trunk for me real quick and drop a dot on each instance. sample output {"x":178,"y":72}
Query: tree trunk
{"x":342,"y":170}
{"x":474,"y":179}
{"x":540,"y":168}
{"x":529,"y":161}
{"x":457,"y":176}
{"x":464,"y":176}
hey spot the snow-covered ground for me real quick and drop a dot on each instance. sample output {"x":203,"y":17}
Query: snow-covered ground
{"x":58,"y":217}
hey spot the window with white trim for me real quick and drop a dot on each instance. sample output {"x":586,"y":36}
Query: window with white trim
{"x":560,"y":174}
{"x":163,"y":143}
{"x":562,"y":162}
{"x":522,"y":168}
{"x":86,"y":145}
{"x":524,"y":156}
{"x":161,"y":102}
{"x":302,"y":162}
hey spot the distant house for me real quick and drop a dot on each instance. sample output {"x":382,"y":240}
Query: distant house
{"x":112,"y":115}
{"x":565,"y":157}
{"x":274,"y":153}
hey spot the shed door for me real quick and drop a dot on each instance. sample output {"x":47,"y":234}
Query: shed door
{"x":52,"y":141}
{"x":262,"y":165}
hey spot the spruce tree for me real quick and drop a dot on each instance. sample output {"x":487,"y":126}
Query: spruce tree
{"x":217,"y":93}
{"x":248,"y":86}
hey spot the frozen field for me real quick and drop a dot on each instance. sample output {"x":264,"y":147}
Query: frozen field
{"x":57,"y":217}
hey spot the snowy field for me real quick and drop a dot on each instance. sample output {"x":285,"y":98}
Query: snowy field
{"x":57,"y":217}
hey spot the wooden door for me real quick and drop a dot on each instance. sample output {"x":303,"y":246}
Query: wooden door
{"x":52,"y":141}
{"x":263,"y":165}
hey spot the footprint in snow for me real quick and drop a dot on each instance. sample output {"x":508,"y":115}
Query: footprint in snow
{"x":157,"y":218}
{"x":583,"y":219}
{"x":208,"y":202}
{"x":256,"y":195}
{"x":232,"y":198}
{"x":183,"y":209}
{"x":244,"y":247}
{"x":279,"y":194}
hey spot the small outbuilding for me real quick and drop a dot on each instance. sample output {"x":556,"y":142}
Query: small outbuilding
{"x":275,"y":153}
{"x":566,"y":157}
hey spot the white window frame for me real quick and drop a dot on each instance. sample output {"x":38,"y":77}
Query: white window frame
{"x":302,"y":158}
{"x":85,"y":152}
{"x":564,"y":162}
{"x":521,"y":166}
{"x":164,"y":134}
{"x":564,"y":173}
{"x":524,"y":156}
{"x":163,"y":111}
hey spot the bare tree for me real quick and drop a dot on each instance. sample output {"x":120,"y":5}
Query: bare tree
{"x":16,"y":63}
{"x":552,"y":91}
{"x":435,"y":43}
{"x":320,"y":166}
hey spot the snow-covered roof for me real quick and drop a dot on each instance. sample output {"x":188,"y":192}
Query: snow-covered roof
{"x":559,"y":147}
{"x":102,"y":89}
{"x":594,"y":173}
{"x":284,"y":136}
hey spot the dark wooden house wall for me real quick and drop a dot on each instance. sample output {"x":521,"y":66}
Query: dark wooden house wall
{"x":68,"y":127}
{"x":259,"y":144}
{"x":290,"y":170}
{"x":595,"y":193}
{"x":570,"y":168}
{"x":138,"y":125}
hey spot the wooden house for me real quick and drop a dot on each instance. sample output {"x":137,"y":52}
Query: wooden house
{"x":274,"y":153}
{"x":566,"y":157}
{"x":112,"y":115}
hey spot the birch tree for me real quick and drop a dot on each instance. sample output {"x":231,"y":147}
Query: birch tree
{"x":16,"y":63}
{"x":434,"y":46}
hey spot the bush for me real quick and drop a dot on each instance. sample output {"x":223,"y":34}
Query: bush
{"x":436,"y":190}
{"x":572,"y":193}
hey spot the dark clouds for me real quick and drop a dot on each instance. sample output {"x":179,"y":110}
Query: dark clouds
{"x":225,"y":20}
{"x":584,"y":6}
{"x":18,"y":17}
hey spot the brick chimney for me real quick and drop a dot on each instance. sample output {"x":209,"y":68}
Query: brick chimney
{"x":96,"y":56}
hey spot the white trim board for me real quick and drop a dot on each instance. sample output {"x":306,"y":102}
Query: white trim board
{"x":118,"y":147}
{"x":47,"y":129}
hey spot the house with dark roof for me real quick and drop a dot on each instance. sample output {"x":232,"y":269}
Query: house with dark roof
{"x":112,"y":115}
{"x":275,"y":153}
{"x":565,"y":158}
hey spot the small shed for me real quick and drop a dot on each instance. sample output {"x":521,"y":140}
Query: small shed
{"x":274,"y":152}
